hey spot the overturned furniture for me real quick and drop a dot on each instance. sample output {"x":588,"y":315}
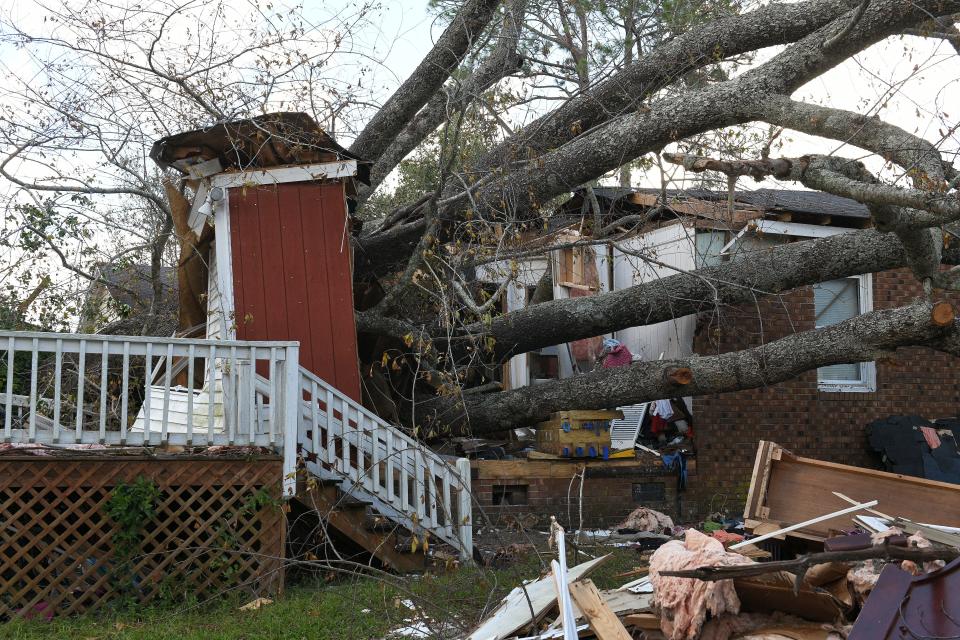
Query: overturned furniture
{"x":787,"y":489}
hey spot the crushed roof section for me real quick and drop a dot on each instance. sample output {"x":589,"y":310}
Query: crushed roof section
{"x":270,"y":140}
{"x":781,"y":200}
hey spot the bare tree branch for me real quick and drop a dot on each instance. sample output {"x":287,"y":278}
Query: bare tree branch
{"x":429,"y":76}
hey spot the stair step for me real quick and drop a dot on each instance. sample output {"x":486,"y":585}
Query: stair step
{"x":349,"y":501}
{"x":374,"y":521}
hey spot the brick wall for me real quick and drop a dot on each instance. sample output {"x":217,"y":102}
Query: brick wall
{"x":828,"y":426}
{"x":611,"y":490}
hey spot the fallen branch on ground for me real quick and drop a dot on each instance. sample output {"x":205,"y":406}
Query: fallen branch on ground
{"x":802,"y":564}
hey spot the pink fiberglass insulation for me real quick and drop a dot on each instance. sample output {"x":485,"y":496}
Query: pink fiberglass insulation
{"x":683,"y":602}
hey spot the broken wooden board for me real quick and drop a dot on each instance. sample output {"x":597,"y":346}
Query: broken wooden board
{"x":604,"y":622}
{"x":624,"y":602}
{"x":645,"y":621}
{"x":513,"y":613}
{"x":775,"y":592}
{"x":787,"y":489}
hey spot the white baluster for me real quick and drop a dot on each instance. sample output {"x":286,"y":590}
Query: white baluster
{"x":232,"y":415}
{"x":167,"y":383}
{"x":375,"y":431}
{"x":81,"y":379}
{"x":250,"y":394}
{"x":447,"y":504}
{"x":211,"y":391}
{"x":8,"y":417}
{"x":389,"y":454}
{"x":125,"y":392}
{"x":465,"y":511}
{"x":34,"y":362}
{"x":331,"y":433}
{"x":147,"y":395}
{"x":57,"y":374}
{"x":274,"y":395}
{"x":316,"y":442}
{"x":104,"y":382}
{"x":191,"y":354}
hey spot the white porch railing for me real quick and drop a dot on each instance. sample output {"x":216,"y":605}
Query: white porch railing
{"x":403,"y":479}
{"x":84,"y":389}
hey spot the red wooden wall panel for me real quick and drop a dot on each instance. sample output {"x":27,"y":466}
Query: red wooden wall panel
{"x":291,"y":275}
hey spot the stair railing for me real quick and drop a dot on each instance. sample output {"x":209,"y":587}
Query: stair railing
{"x":373,"y":459}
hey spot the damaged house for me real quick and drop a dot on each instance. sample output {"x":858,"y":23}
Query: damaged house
{"x":840,"y":413}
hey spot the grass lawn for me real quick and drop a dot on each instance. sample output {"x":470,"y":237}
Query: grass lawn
{"x":353,"y":608}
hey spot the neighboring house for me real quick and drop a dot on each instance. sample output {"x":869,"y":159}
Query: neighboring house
{"x":821,"y":413}
{"x":122,"y":299}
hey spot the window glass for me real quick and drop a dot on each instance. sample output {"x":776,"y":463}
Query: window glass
{"x":834,"y":302}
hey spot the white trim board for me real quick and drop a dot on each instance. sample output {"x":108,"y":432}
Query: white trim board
{"x":280,"y":175}
{"x":224,"y":267}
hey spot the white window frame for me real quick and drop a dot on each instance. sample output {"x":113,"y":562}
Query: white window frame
{"x":868,"y":370}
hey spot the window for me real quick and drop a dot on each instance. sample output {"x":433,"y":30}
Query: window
{"x":836,"y":301}
{"x":509,"y":494}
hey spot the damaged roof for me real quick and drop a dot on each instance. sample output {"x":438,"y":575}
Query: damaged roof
{"x":270,"y":140}
{"x":132,"y":286}
{"x":802,"y":206}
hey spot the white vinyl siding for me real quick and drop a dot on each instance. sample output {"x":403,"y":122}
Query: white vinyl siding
{"x":836,"y":301}
{"x":674,"y":248}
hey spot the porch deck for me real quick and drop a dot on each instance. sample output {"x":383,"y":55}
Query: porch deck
{"x":67,"y":389}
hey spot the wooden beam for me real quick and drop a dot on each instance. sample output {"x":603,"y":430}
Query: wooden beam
{"x":603,"y":622}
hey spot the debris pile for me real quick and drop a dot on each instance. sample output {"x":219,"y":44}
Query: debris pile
{"x":860,"y":572}
{"x":644,"y":519}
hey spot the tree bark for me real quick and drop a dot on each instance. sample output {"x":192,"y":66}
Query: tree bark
{"x":773,"y":271}
{"x":625,"y":91}
{"x":606,"y":147}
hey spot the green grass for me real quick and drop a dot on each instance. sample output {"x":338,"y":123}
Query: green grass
{"x":321,"y":611}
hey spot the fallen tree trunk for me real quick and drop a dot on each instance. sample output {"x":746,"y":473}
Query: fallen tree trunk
{"x":864,"y":338}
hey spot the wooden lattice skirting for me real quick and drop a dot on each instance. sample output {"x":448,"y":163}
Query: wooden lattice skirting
{"x":214,"y":529}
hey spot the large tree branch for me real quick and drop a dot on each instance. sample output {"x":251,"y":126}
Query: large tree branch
{"x":910,"y":213}
{"x":864,"y":338}
{"x":522,"y":191}
{"x":502,"y":61}
{"x":773,"y":271}
{"x":688,"y":113}
{"x":426,"y":80}
{"x":626,"y":90}
{"x":801,"y":564}
{"x":919,"y":159}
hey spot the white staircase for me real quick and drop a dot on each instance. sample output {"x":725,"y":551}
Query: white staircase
{"x":375,"y":462}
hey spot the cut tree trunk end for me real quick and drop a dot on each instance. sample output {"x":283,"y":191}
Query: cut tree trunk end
{"x":942,"y":314}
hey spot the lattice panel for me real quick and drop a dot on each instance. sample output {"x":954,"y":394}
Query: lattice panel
{"x":212,"y":532}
